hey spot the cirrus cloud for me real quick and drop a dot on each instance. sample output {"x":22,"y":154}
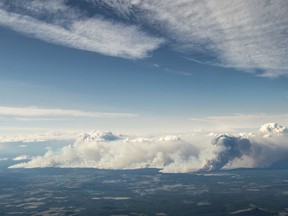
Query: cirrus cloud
{"x":243,"y":34}
{"x":73,"y":30}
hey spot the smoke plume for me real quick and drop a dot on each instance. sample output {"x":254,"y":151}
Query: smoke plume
{"x":230,"y":147}
{"x":260,"y":150}
{"x":171,"y":154}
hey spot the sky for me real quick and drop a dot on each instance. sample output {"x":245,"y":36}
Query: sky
{"x":144,"y":67}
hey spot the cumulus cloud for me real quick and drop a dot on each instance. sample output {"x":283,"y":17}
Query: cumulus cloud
{"x":68,"y":27}
{"x":272,"y":129}
{"x":98,"y":136}
{"x":105,"y":150}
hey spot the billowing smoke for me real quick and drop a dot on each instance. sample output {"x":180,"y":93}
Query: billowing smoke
{"x":183,"y":153}
{"x":264,"y":149}
{"x":230,"y":147}
{"x":105,"y":150}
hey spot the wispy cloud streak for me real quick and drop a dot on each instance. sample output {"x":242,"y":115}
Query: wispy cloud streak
{"x":42,"y":112}
{"x":40,"y":137}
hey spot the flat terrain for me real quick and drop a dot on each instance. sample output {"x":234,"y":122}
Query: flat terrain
{"x":55,"y":191}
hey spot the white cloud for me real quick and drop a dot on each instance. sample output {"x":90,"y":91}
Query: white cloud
{"x":40,"y":137}
{"x":93,"y":34}
{"x":272,"y":129}
{"x":123,"y":8}
{"x":33,"y":112}
{"x":174,"y":154}
{"x":24,"y":121}
{"x":242,"y":34}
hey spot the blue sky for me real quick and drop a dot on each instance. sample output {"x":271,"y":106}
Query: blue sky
{"x":142,"y":66}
